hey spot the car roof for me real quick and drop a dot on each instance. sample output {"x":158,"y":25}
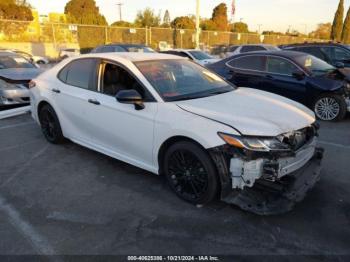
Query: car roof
{"x":313,"y":44}
{"x":125,"y":45}
{"x":281,"y":53}
{"x":133,"y":57}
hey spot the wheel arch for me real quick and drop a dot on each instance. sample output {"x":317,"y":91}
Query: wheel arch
{"x":168,"y":143}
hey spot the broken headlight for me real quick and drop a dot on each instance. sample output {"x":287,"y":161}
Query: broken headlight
{"x":259,"y":144}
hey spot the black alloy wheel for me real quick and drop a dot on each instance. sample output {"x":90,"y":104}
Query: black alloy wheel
{"x":191,"y":173}
{"x":50,"y":125}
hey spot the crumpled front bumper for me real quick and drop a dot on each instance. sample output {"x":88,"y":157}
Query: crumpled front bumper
{"x":266,"y":196}
{"x":271,"y":198}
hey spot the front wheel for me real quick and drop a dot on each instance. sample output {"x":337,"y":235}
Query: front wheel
{"x":191,"y":173}
{"x":50,"y":125}
{"x":330,"y":107}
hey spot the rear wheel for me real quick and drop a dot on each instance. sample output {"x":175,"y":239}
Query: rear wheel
{"x":50,"y":125}
{"x":330,"y":107}
{"x":191,"y":173}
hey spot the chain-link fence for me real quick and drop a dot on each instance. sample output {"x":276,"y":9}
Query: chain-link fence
{"x":89,"y":36}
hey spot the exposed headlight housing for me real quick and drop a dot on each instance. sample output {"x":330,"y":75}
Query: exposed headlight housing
{"x":258,"y":144}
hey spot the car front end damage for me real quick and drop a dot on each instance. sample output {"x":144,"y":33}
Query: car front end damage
{"x":268,"y":176}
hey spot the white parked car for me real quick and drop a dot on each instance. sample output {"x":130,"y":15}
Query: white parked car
{"x":240,"y":49}
{"x":172,"y":117}
{"x":197,"y":56}
{"x":40,"y":60}
{"x":68,"y":52}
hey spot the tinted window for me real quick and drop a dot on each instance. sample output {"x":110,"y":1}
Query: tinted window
{"x":116,"y":78}
{"x":280,"y":66}
{"x":252,"y":48}
{"x":315,"y":51}
{"x":80,"y":72}
{"x":337,"y":53}
{"x":14,"y":61}
{"x":107,"y":49}
{"x":249,"y":62}
{"x":199,"y":55}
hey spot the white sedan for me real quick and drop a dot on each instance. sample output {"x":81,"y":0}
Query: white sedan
{"x":197,"y":56}
{"x":172,"y":117}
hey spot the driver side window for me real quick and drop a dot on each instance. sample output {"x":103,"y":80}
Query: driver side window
{"x":115,"y":78}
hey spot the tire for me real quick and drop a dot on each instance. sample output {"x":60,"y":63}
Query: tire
{"x":191,"y":173}
{"x":50,"y":125}
{"x":330,"y":107}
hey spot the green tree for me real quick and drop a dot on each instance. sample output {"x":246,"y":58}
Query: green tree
{"x":86,"y":12}
{"x":240,"y":27}
{"x":166,"y":19}
{"x":323,"y":31}
{"x":219,"y":17}
{"x":122,"y":24}
{"x":345,"y":37}
{"x":338,"y":22}
{"x":147,"y":18}
{"x":14,"y":10}
{"x":183,"y":22}
{"x":208,"y":25}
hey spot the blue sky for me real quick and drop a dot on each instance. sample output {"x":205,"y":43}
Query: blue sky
{"x":275,"y":15}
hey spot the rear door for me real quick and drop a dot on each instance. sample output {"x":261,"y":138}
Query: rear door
{"x":247,"y":71}
{"x":72,"y":97}
{"x":279,"y":79}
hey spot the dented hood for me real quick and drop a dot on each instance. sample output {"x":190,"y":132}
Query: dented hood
{"x":252,"y":112}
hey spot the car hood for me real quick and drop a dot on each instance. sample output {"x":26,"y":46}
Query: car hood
{"x":18,"y":75}
{"x":252,"y":112}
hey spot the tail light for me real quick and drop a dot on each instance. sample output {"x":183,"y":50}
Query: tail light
{"x":31,"y":84}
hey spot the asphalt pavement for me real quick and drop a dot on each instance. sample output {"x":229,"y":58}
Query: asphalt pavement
{"x":69,"y":200}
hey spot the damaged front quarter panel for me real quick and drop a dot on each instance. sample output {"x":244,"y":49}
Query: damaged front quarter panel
{"x":267,"y":184}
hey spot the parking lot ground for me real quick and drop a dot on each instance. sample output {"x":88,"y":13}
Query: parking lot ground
{"x":70,"y":200}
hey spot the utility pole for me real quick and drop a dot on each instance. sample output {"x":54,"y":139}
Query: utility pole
{"x":120,"y":10}
{"x":259,"y":25}
{"x":197,"y":23}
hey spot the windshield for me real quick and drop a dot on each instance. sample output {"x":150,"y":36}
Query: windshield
{"x":177,"y":80}
{"x":316,"y":66}
{"x":199,"y":55}
{"x":14,"y":62}
{"x":139,"y":49}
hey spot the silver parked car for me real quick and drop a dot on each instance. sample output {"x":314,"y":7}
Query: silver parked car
{"x":15,"y":74}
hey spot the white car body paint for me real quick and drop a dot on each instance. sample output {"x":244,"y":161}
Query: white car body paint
{"x":120,"y":131}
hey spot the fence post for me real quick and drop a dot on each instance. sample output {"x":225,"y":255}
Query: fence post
{"x":146,"y":30}
{"x":106,"y":35}
{"x":150,"y":36}
{"x":54,"y":36}
{"x":181,"y":39}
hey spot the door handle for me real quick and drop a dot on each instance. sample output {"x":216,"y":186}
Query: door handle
{"x":56,"y":90}
{"x":94,"y":101}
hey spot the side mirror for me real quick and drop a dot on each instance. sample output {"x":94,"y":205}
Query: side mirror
{"x":339,"y":65}
{"x":131,"y":97}
{"x":299,"y":75}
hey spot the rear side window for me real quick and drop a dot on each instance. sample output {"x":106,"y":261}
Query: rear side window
{"x":256,"y":63}
{"x":79,"y":73}
{"x":252,"y":48}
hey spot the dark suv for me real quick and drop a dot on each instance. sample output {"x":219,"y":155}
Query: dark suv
{"x":335,"y":54}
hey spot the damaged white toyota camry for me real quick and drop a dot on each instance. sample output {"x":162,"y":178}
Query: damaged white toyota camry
{"x":175,"y":118}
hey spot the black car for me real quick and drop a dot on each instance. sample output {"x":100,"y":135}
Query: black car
{"x":111,"y":48}
{"x":298,"y":76}
{"x":335,"y":54}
